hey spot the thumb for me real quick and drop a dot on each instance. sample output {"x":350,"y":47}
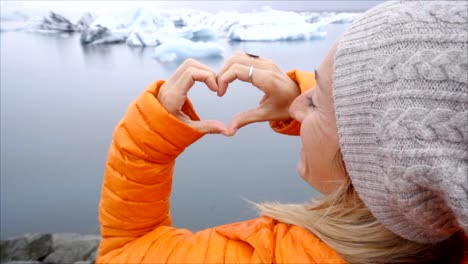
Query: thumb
{"x":245,"y":118}
{"x":211,"y":127}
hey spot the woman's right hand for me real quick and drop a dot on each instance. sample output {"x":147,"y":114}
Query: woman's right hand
{"x":173,"y":95}
{"x":280,"y":90}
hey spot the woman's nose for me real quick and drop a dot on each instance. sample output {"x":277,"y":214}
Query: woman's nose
{"x":296,"y":109}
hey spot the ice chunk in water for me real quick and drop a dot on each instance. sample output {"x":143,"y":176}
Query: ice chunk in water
{"x":180,"y":49}
{"x":141,"y":39}
{"x":268,"y":32}
{"x":272,"y":25}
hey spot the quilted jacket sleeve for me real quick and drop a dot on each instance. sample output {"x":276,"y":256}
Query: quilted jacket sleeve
{"x":134,"y":207}
{"x":138,"y":174}
{"x":306,"y":81}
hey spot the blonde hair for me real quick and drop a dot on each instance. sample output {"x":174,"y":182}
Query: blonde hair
{"x":343,"y":222}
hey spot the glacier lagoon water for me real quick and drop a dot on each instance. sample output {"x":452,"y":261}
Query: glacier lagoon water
{"x":60,"y":102}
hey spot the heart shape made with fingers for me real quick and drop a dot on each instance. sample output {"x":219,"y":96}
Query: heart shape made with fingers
{"x":278,"y":90}
{"x":240,"y":97}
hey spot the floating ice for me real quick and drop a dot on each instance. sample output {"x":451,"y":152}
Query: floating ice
{"x":204,"y":34}
{"x":150,"y":26}
{"x":338,"y":18}
{"x":13,"y":19}
{"x":180,"y":49}
{"x":342,"y":18}
{"x":56,"y":22}
{"x":101,"y":35}
{"x":272,"y":25}
{"x":221,"y":22}
{"x":13,"y":26}
{"x":268,"y":32}
{"x":85,"y":21}
{"x":151,"y":18}
{"x":109,"y":22}
{"x":51,"y":23}
{"x":141,"y":39}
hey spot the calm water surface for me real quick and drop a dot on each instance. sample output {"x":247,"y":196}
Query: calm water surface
{"x":60,"y":103}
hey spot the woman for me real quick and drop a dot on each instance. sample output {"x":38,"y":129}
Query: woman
{"x":384,"y":138}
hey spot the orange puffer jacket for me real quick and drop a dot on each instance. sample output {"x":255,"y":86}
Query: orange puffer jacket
{"x":134,"y":208}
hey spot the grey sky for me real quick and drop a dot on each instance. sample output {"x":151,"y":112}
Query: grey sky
{"x":281,"y":5}
{"x":74,"y":7}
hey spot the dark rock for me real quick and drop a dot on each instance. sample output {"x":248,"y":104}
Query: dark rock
{"x":93,"y":256}
{"x":26,"y":247}
{"x":70,"y":248}
{"x":23,"y":262}
{"x":62,"y":239}
{"x":83,"y":262}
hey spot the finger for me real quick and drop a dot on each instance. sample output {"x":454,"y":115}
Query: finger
{"x":241,"y":72}
{"x":194,"y":74}
{"x":199,"y":65}
{"x":187,"y":64}
{"x":245,"y":118}
{"x":210,"y":127}
{"x":242,"y":58}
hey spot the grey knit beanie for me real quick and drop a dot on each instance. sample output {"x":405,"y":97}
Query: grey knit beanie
{"x":401,"y":98}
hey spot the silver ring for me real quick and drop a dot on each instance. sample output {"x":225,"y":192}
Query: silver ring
{"x":251,"y":73}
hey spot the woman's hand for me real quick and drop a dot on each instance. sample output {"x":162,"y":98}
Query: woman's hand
{"x":173,"y":94}
{"x":280,"y":91}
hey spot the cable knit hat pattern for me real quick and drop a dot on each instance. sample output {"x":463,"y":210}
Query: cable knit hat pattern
{"x":401,"y":98}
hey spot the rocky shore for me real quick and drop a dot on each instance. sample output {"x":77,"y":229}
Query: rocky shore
{"x":50,"y":248}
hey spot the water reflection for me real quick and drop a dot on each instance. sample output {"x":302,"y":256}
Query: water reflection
{"x":138,"y":51}
{"x":93,"y":54}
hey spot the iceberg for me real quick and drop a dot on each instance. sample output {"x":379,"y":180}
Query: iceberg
{"x":139,"y":19}
{"x":338,"y":18}
{"x":141,"y":39}
{"x":12,"y":19}
{"x":273,"y":25}
{"x":143,"y":18}
{"x":268,"y":32}
{"x":204,"y":34}
{"x":180,"y":49}
{"x":56,"y":22}
{"x":109,"y":22}
{"x":148,"y":26}
{"x":6,"y":26}
{"x":85,"y":21}
{"x":52,"y":23}
{"x":220,"y":23}
{"x":101,"y":35}
{"x":342,"y":18}
{"x":311,"y":17}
